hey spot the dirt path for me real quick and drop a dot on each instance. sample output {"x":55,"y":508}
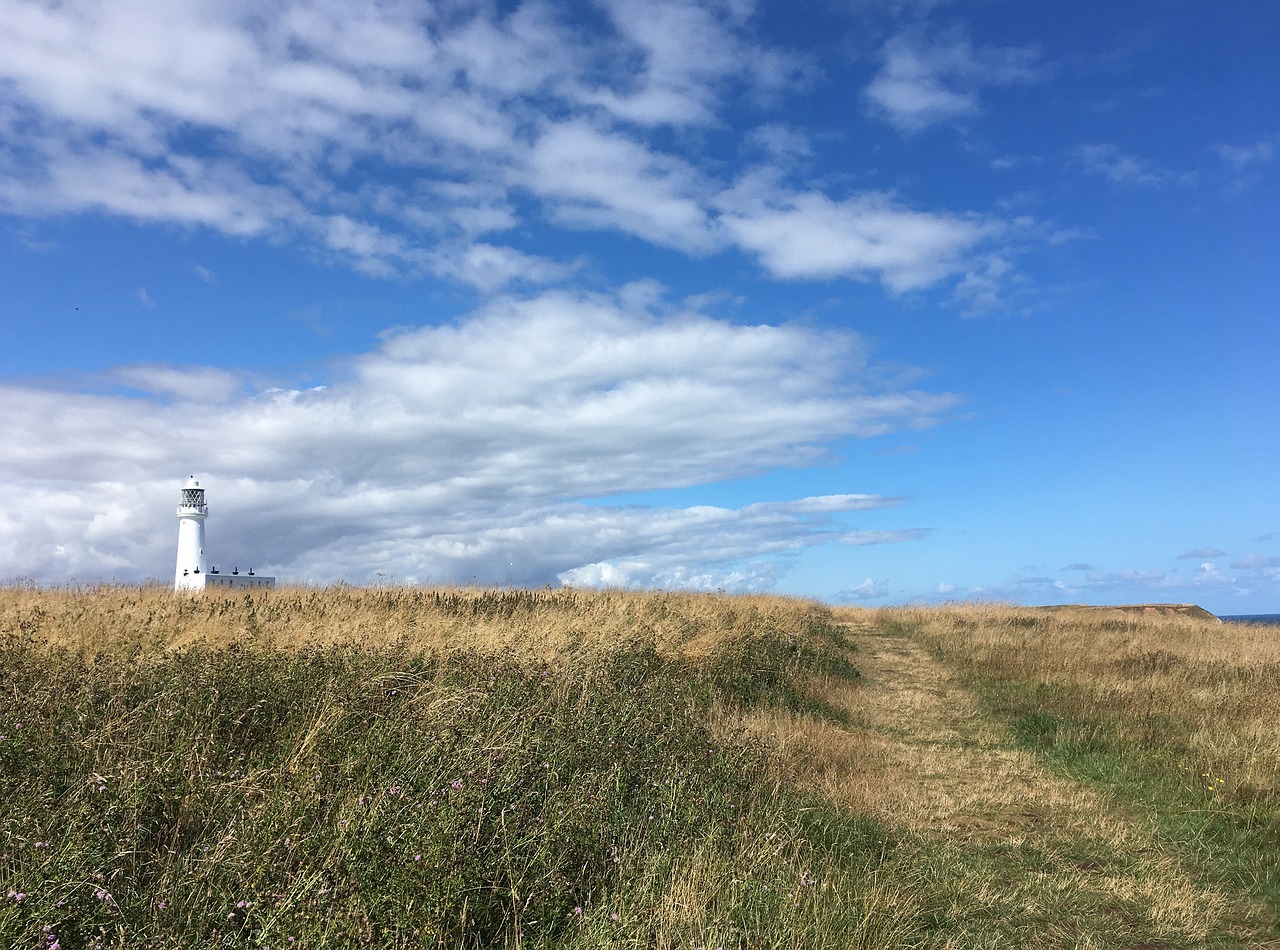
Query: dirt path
{"x":932,"y":760}
{"x":923,"y":757}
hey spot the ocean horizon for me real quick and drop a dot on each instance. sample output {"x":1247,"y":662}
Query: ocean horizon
{"x":1271,"y":620}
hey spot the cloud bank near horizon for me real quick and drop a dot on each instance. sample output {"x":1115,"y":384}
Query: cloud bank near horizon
{"x":484,"y":450}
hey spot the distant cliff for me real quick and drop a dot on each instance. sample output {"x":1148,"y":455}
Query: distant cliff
{"x":1155,"y":610}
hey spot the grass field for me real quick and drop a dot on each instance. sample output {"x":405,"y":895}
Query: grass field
{"x":475,"y":768}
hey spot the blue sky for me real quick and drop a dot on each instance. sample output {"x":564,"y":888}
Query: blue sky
{"x":877,"y":302}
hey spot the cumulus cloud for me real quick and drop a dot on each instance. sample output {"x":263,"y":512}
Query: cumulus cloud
{"x":485,"y":449}
{"x":923,"y":81}
{"x":869,"y":589}
{"x":404,"y":139}
{"x":808,"y":235}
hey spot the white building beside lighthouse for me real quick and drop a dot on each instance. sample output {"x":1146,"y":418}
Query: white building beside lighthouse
{"x":193,"y":571}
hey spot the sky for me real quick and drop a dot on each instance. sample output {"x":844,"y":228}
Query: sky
{"x":877,"y":301}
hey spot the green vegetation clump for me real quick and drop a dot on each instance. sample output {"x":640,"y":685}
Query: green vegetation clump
{"x":240,"y":794}
{"x":1175,"y":716}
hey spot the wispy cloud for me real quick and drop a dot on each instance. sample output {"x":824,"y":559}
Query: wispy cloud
{"x":1121,"y":168}
{"x":1254,"y":560}
{"x":1200,"y":554}
{"x":868,"y":589}
{"x":1241,"y":157}
{"x":467,"y":450}
{"x":1244,"y":164}
{"x":923,"y":81}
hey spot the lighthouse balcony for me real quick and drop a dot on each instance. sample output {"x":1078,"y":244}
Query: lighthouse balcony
{"x":212,"y":580}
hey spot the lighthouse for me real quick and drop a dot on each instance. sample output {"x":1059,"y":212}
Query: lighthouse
{"x":193,"y":571}
{"x":193,"y":566}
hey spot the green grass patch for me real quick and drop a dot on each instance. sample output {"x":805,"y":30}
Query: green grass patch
{"x":336,"y":797}
{"x":1160,"y":770}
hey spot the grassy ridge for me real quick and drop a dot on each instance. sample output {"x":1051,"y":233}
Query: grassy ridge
{"x":470,"y":768}
{"x":1178,"y":717}
{"x":406,"y":791}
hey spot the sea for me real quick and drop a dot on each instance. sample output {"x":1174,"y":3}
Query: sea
{"x":1271,"y":620}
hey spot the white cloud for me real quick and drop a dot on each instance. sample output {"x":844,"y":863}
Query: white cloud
{"x":1122,"y":169}
{"x":1240,"y":157}
{"x":463,"y":450}
{"x":869,"y":589}
{"x":807,"y":235}
{"x":923,"y":81}
{"x":684,"y":53}
{"x":594,"y":179}
{"x":196,"y":384}
{"x":394,"y":137}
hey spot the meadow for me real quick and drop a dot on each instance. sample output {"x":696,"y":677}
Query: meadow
{"x":353,"y":767}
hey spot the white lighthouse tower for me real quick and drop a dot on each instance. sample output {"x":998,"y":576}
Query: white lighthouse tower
{"x":193,"y":571}
{"x":193,"y":566}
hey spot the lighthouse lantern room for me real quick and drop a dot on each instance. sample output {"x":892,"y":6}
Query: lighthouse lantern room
{"x":193,"y":571}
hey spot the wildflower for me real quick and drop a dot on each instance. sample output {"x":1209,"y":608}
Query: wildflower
{"x":577,"y":912}
{"x":456,"y":784}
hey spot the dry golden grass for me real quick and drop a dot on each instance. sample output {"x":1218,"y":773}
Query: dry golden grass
{"x":542,"y":624}
{"x":922,"y":755}
{"x":1219,"y":682}
{"x":991,"y":839}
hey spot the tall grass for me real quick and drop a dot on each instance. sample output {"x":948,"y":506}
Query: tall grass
{"x":387,"y":768}
{"x":1176,"y":715}
{"x":562,"y":769}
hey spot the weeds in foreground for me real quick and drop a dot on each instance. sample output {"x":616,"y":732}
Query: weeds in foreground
{"x":236,"y":793}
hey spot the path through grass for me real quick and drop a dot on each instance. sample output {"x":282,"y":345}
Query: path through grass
{"x":559,"y":769}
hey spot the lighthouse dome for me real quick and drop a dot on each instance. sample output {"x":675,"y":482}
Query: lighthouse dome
{"x":192,"y":496}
